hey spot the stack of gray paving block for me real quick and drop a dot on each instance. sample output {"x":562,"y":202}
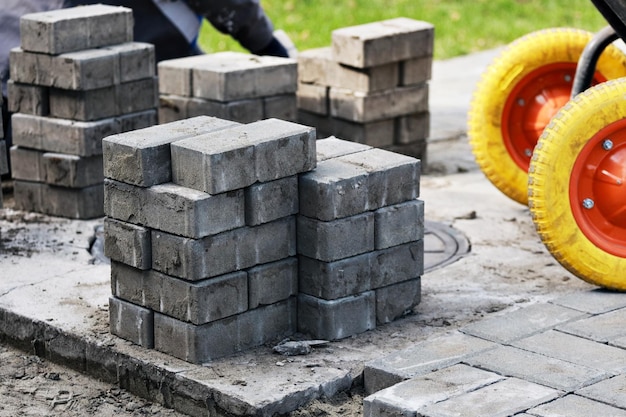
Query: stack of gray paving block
{"x":229,"y":85}
{"x":360,"y":239}
{"x":76,"y":78}
{"x":4,"y":166}
{"x":371,"y":85}
{"x":201,"y":232}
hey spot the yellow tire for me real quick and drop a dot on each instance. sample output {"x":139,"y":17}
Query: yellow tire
{"x":577,"y":185}
{"x":518,"y":94}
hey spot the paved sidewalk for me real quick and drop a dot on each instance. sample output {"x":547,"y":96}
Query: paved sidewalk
{"x":502,"y":330}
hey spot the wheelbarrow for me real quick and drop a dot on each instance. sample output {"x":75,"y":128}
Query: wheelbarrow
{"x":547,"y":125}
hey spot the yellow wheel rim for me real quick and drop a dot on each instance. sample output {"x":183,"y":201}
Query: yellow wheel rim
{"x":577,"y":185}
{"x":518,"y":94}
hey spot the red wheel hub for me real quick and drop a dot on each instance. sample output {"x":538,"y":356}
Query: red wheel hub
{"x":598,"y":189}
{"x":532,"y":103}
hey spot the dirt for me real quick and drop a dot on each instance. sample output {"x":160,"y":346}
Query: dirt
{"x":33,"y":387}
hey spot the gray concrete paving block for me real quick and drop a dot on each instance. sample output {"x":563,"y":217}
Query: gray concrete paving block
{"x":596,"y":301}
{"x":271,"y":241}
{"x":4,"y":165}
{"x":610,"y":391}
{"x":124,"y":202}
{"x":28,"y":195}
{"x":227,"y":76}
{"x":268,"y":201}
{"x":282,"y":106}
{"x":413,"y":129}
{"x":408,"y":397}
{"x":334,"y":190}
{"x":73,"y":137}
{"x":398,"y":224}
{"x":191,"y":213}
{"x":128,"y":283}
{"x":136,"y":60}
{"x":603,"y":328}
{"x":128,"y":243}
{"x":242,"y":111}
{"x":378,"y":133}
{"x":84,"y":106}
{"x":30,"y":68}
{"x":575,"y":406}
{"x":317,"y":67}
{"x":397,"y":300}
{"x":576,"y":350}
{"x":422,"y":358}
{"x":131,"y":322}
{"x":175,"y":75}
{"x":501,"y":399}
{"x":369,"y":107}
{"x":416,"y":70}
{"x":72,"y":171}
{"x":272,"y":282}
{"x":73,"y":29}
{"x":137,"y":95}
{"x":332,"y":280}
{"x":397,"y":264}
{"x":142,"y":157}
{"x":393,"y":178}
{"x":332,"y":147}
{"x":74,"y":203}
{"x":203,"y":301}
{"x":313,"y":98}
{"x":378,"y":43}
{"x":533,"y":367}
{"x":186,"y":258}
{"x":336,"y":319}
{"x":27,"y":164}
{"x":215,"y":162}
{"x":337,"y":239}
{"x":85,"y":70}
{"x":28,"y":99}
{"x":523,"y":322}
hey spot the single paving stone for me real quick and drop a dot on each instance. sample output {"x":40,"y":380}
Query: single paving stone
{"x":555,"y":373}
{"x":131,"y":322}
{"x":576,"y":350}
{"x":421,"y":359}
{"x":575,"y":406}
{"x":596,"y":301}
{"x":333,"y":147}
{"x":522,"y":323}
{"x":502,"y":399}
{"x":610,"y":391}
{"x":409,"y":397}
{"x":603,"y":328}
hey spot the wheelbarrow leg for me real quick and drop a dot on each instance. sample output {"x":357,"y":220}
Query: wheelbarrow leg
{"x":587,"y":63}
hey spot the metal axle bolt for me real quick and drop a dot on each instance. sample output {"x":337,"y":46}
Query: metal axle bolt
{"x":607,"y":145}
{"x":588,"y":203}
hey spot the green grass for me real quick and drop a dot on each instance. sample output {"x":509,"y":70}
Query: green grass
{"x":461,"y":26}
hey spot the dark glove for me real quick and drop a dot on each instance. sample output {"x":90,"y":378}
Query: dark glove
{"x":274,"y":48}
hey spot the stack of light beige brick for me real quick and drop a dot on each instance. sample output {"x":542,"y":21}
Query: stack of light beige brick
{"x":371,"y":85}
{"x":76,"y":78}
{"x":201,"y":232}
{"x":229,"y":85}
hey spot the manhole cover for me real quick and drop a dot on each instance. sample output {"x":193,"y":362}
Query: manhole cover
{"x":443,"y":245}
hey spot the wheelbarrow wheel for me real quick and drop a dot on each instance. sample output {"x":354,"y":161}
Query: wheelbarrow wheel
{"x":518,"y":94}
{"x":577,"y":185}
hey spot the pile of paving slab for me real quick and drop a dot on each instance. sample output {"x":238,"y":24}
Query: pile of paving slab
{"x":371,"y":85}
{"x":4,"y":162}
{"x":229,"y":85}
{"x":76,"y":78}
{"x":226,"y":236}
